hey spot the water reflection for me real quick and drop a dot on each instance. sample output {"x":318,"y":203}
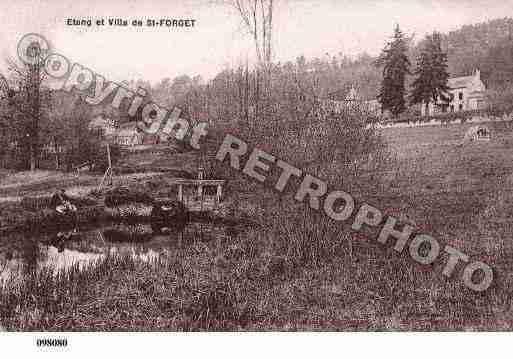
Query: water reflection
{"x":23,"y":254}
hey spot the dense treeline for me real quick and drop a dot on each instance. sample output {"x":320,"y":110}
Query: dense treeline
{"x":278,"y":98}
{"x":486,"y":46}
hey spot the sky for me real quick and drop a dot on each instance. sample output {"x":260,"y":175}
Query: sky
{"x":302,"y":27}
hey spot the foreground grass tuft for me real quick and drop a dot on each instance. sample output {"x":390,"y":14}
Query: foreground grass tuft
{"x":300,"y":272}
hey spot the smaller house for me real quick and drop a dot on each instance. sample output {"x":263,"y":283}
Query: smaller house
{"x":466,"y":93}
{"x":353,"y":101}
{"x":128,"y":135}
{"x":50,"y":148}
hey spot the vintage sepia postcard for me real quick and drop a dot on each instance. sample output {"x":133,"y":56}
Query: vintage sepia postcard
{"x":255,"y":166}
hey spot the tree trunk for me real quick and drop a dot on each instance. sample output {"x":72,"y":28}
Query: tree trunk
{"x":35,"y":101}
{"x":246,"y":95}
{"x":257,"y":94}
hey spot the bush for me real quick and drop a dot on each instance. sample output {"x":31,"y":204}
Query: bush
{"x":40,"y":203}
{"x":93,"y":151}
{"x":100,"y":161}
{"x":121,"y":195}
{"x":445,"y":117}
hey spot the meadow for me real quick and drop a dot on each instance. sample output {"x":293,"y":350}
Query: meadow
{"x":298,"y":270}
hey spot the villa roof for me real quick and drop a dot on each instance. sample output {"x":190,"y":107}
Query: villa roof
{"x":460,"y":82}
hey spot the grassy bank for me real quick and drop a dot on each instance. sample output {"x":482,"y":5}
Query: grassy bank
{"x":300,"y":272}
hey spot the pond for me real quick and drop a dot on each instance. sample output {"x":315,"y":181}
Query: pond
{"x":22,"y":253}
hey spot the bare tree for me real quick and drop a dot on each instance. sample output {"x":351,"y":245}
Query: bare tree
{"x":257,"y":18}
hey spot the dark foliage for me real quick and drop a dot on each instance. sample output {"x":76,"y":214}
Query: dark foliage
{"x":122,"y":195}
{"x":396,"y":66}
{"x":430,"y":84}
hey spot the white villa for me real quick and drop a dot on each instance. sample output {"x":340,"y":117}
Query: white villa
{"x":466,"y":93}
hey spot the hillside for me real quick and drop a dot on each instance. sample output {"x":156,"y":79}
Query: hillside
{"x":487,"y":46}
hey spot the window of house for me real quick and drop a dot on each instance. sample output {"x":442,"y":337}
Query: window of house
{"x":461,"y":107}
{"x":452,"y":108}
{"x":461,"y":95}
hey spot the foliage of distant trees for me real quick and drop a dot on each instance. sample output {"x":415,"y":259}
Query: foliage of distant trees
{"x":40,"y":125}
{"x":500,"y":100}
{"x":487,"y":46}
{"x":24,"y":119}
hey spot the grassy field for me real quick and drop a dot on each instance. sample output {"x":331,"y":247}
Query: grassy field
{"x":300,"y":271}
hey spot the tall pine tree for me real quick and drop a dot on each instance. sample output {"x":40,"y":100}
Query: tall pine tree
{"x":430,"y":84}
{"x":396,"y":66}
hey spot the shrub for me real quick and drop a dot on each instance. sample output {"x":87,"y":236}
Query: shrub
{"x":122,"y":195}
